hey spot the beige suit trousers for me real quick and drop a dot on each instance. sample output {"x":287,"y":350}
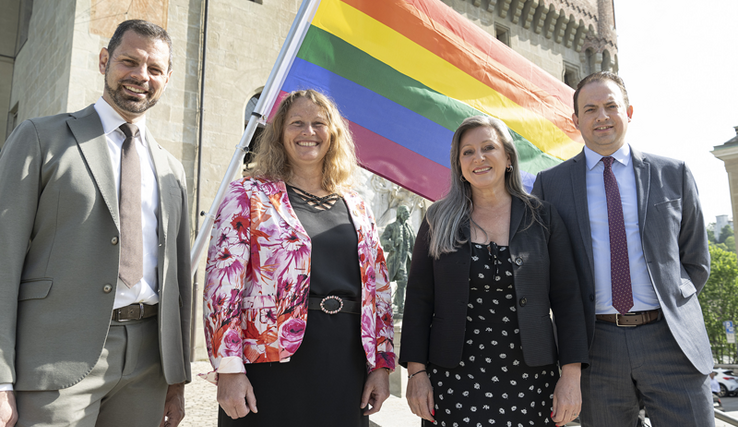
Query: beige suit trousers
{"x":125,"y":388}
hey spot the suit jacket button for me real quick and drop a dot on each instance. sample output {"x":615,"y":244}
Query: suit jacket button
{"x":591,"y":297}
{"x":114,"y":240}
{"x":107,"y":288}
{"x":523,"y":301}
{"x":519,"y":261}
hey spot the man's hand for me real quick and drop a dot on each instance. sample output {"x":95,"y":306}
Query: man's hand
{"x":8,"y":411}
{"x":236,"y":395}
{"x":567,"y":401}
{"x":376,"y":391}
{"x":174,"y":406}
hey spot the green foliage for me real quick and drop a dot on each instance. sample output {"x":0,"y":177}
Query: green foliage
{"x":726,"y":232}
{"x":710,"y":233}
{"x":730,"y":243}
{"x":719,"y":300}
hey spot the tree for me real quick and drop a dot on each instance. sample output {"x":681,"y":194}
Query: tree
{"x":729,"y":243}
{"x":726,"y":232}
{"x":711,"y":233}
{"x":719,"y":300}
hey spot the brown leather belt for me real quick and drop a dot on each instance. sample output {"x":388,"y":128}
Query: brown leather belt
{"x":631,"y":319}
{"x":333,"y":304}
{"x":136,"y":311}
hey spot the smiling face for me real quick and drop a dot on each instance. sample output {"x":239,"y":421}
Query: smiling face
{"x":136,"y":74}
{"x":483,"y":159}
{"x":306,"y":135}
{"x":603,"y":117}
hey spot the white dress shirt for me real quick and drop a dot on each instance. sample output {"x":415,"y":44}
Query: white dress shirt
{"x":644,"y":296}
{"x":145,"y":291}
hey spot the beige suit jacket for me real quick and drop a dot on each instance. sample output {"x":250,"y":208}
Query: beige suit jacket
{"x":59,"y":230}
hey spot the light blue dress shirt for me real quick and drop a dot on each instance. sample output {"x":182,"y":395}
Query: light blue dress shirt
{"x":644,"y":296}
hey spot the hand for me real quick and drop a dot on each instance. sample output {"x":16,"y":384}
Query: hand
{"x":420,"y":393}
{"x":8,"y":411}
{"x":236,"y":395}
{"x":567,"y":400}
{"x":376,"y":391}
{"x":174,"y":406}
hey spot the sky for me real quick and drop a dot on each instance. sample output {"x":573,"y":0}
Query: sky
{"x":679,"y":61}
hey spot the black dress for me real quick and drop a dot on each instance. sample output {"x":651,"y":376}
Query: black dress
{"x":492,"y":386}
{"x":321,"y":385}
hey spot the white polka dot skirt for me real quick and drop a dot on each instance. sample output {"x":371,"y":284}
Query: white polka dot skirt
{"x":492,"y":386}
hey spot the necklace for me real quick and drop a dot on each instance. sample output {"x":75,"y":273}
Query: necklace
{"x":325,"y":202}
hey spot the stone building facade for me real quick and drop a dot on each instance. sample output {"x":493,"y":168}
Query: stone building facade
{"x":728,"y":153}
{"x":49,"y":54}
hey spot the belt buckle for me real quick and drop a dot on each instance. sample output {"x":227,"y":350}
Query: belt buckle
{"x":140,"y":313}
{"x":617,"y":320}
{"x":330,"y":297}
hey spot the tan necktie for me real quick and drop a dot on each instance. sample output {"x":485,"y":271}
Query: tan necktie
{"x":131,"y":239}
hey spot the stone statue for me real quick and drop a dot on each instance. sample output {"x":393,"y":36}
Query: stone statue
{"x":397,"y":241}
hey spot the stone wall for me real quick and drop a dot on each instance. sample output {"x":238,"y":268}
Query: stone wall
{"x":8,"y":37}
{"x":42,"y":68}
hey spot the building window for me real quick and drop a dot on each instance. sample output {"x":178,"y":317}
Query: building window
{"x":502,"y":34}
{"x":250,"y":106}
{"x":12,"y":120}
{"x":590,"y":55}
{"x":571,"y":75}
{"x":24,"y":21}
{"x":606,"y":64}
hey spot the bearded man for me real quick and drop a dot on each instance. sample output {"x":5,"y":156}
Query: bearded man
{"x":95,"y":313}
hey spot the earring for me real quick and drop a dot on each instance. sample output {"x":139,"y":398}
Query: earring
{"x":509,"y":168}
{"x":462,"y":179}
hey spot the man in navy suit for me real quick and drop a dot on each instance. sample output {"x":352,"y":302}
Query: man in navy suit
{"x":640,"y":248}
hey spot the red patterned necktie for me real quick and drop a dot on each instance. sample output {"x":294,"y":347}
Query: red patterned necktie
{"x":131,"y":234}
{"x":622,"y":292}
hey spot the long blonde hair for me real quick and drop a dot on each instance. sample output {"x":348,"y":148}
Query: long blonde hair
{"x":340,"y":160}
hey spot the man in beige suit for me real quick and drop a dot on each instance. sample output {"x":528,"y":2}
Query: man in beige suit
{"x":95,"y":275}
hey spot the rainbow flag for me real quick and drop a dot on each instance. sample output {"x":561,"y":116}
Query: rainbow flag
{"x":406,"y":73}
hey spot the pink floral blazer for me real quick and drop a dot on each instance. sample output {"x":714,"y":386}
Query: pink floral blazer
{"x":258,"y":278}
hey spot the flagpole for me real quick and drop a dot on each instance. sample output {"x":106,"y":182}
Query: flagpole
{"x":266,"y":101}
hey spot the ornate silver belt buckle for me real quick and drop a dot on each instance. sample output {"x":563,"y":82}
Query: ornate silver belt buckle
{"x":329,"y":299}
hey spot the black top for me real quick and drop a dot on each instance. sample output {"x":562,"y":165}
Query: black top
{"x":334,"y":263}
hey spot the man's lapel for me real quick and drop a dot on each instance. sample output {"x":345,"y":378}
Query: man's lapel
{"x":166,"y":203}
{"x":579,"y":187}
{"x":642,"y":171}
{"x":88,"y":131}
{"x":163,"y":174}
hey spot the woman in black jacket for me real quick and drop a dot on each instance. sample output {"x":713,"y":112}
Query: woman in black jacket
{"x":490,"y":263}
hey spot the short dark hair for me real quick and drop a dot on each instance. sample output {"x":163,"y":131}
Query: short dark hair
{"x":600,"y":77}
{"x":143,"y":28}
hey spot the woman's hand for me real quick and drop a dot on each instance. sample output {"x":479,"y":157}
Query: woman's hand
{"x":236,"y":395}
{"x":376,"y":391}
{"x":420,"y":392}
{"x":567,"y":400}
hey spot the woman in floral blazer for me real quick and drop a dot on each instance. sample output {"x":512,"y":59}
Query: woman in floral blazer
{"x":259,"y":294}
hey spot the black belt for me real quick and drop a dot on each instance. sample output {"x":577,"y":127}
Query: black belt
{"x":136,"y":311}
{"x":333,"y":304}
{"x":631,"y":319}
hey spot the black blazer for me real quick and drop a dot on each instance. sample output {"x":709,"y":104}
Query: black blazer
{"x":545,"y":279}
